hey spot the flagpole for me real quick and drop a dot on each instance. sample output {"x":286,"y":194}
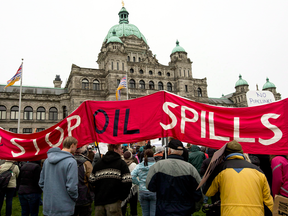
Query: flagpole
{"x":19,"y":111}
{"x":127,"y":83}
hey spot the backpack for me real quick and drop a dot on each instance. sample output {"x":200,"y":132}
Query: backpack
{"x":85,"y":192}
{"x":5,"y":177}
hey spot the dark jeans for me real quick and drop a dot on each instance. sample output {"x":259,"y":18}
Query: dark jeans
{"x":133,"y":205}
{"x":30,"y":204}
{"x":82,"y":210}
{"x":9,"y":192}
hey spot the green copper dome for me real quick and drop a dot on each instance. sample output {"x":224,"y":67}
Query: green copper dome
{"x":114,"y":38}
{"x":178,"y":48}
{"x":124,"y":28}
{"x":268,"y":85}
{"x":241,"y":81}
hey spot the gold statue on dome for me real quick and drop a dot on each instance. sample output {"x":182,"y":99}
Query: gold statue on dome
{"x":122,"y":3}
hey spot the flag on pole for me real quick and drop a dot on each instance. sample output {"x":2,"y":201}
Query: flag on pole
{"x":122,"y":84}
{"x":16,"y":77}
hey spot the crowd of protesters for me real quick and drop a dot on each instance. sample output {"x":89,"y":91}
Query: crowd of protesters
{"x":164,"y":180}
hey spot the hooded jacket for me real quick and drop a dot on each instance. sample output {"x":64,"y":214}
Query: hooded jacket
{"x":111,"y":178}
{"x":141,"y":172}
{"x":243,"y":187}
{"x":279,"y":165}
{"x":196,"y":157}
{"x":59,"y":182}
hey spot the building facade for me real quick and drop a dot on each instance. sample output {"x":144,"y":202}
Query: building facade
{"x":124,"y":52}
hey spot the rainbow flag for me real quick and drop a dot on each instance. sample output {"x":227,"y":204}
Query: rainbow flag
{"x":122,"y":84}
{"x":15,"y":78}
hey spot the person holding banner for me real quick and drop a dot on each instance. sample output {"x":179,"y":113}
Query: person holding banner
{"x":243,"y":186}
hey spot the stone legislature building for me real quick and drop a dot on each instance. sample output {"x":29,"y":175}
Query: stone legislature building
{"x":124,"y":51}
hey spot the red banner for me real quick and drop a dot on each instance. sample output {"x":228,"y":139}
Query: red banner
{"x":260,"y":130}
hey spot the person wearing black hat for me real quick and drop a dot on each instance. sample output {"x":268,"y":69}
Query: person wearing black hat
{"x":243,"y":186}
{"x":174,"y":181}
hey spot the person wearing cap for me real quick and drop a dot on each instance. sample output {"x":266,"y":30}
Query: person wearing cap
{"x":175,"y":182}
{"x":243,"y":186}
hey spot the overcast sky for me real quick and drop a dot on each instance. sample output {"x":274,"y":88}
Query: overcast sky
{"x":222,"y":38}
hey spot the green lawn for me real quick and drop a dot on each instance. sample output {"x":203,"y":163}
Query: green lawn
{"x":16,"y":211}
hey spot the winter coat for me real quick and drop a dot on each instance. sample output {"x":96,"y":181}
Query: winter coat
{"x":196,"y":157}
{"x":59,"y":182}
{"x":279,"y":165}
{"x":16,"y":171}
{"x":29,"y":178}
{"x":243,"y":187}
{"x":175,"y":182}
{"x":141,"y":172}
{"x":111,"y":178}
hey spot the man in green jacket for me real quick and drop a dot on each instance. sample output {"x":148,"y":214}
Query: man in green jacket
{"x":196,"y":157}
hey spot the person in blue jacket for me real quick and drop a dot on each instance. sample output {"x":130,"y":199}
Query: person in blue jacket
{"x":139,"y":174}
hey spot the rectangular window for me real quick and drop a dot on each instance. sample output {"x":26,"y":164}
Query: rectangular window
{"x":40,"y":129}
{"x":118,"y":82}
{"x":40,"y":115}
{"x":117,"y":65}
{"x":112,"y":66}
{"x":14,"y":114}
{"x":27,"y":130}
{"x":2,"y":114}
{"x":186,"y":88}
{"x":13,"y":130}
{"x":123,"y":66}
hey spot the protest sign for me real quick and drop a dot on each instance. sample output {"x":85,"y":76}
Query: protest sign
{"x":260,"y":129}
{"x":216,"y":159}
{"x":255,"y":98}
{"x":280,"y":206}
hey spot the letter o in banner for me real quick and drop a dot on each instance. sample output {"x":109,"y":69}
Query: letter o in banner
{"x":60,"y":139}
{"x":106,"y":121}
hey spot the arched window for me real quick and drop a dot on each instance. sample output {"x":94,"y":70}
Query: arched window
{"x":184,"y":73}
{"x":131,"y":70}
{"x":14,"y":112}
{"x":150,"y":72}
{"x":40,"y":115}
{"x":169,"y":86}
{"x":96,"y":85}
{"x":132,"y":83}
{"x":123,"y":66}
{"x":168,"y":74}
{"x":28,"y":113}
{"x":199,"y":91}
{"x":111,"y":65}
{"x":141,"y":71}
{"x":53,"y":113}
{"x":159,"y":73}
{"x":139,"y":59}
{"x":151,"y":85}
{"x":142,"y":84}
{"x":180,"y":72}
{"x":2,"y":112}
{"x":188,"y":73}
{"x":117,"y":65}
{"x":85,"y":84}
{"x":160,"y":86}
{"x":134,"y":59}
{"x":128,"y":59}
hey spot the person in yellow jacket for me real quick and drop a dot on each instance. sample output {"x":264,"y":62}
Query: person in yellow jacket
{"x":243,"y":187}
